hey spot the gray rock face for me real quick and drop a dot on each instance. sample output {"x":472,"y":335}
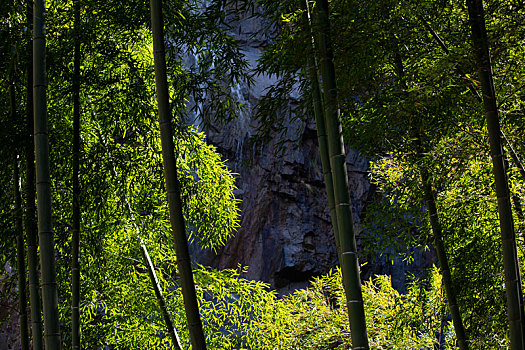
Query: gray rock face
{"x":9,"y":318}
{"x":285,"y":235}
{"x":9,"y":327}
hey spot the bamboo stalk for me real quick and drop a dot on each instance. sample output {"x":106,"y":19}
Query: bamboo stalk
{"x":510,"y":257}
{"x":17,"y":213}
{"x":437,"y":231}
{"x":160,"y":297}
{"x":30,"y":217}
{"x":349,"y":259}
{"x":147,"y":261}
{"x":514,"y":156}
{"x":21,"y":267}
{"x":435,"y":224}
{"x":20,"y":257}
{"x":172,"y":183}
{"x":317,"y":102}
{"x":75,"y":239}
{"x":43,"y":182}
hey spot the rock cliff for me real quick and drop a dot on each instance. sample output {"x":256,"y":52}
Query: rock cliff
{"x":285,"y":236}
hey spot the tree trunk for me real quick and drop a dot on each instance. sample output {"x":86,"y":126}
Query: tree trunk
{"x":43,"y":182}
{"x":349,"y":260}
{"x":172,"y":183}
{"x":510,"y":256}
{"x":75,"y":239}
{"x":30,"y":218}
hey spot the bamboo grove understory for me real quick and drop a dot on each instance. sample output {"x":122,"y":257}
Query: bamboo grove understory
{"x":113,"y":187}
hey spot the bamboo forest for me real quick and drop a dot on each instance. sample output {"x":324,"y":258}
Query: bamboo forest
{"x":261,"y":174}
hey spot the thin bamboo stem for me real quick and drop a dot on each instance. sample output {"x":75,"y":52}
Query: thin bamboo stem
{"x":147,"y":261}
{"x":435,"y":224}
{"x":317,"y":102}
{"x":20,"y":258}
{"x":17,"y":216}
{"x":75,"y":239}
{"x":437,"y":231}
{"x":160,"y":297}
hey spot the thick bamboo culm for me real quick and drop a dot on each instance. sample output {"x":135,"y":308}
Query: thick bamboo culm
{"x":30,"y":215}
{"x":43,"y":182}
{"x":515,"y":313}
{"x":349,"y":259}
{"x":191,"y":306}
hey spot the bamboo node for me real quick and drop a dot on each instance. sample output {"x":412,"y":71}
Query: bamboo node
{"x":349,"y":253}
{"x":52,"y":334}
{"x":48,"y":284}
{"x":354,"y":301}
{"x":337,"y":155}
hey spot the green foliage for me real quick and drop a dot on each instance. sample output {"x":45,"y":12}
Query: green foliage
{"x":469,"y":217}
{"x":392,"y":220}
{"x":316,"y":318}
{"x":468,"y":214}
{"x":116,"y":285}
{"x":121,"y":162}
{"x":391,"y":72}
{"x":243,"y":314}
{"x":207,"y":191}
